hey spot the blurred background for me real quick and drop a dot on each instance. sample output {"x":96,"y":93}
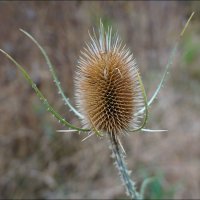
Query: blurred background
{"x":37,"y":162}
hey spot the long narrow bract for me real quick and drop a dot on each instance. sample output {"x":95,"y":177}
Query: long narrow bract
{"x":53,"y":73}
{"x":41,"y":96}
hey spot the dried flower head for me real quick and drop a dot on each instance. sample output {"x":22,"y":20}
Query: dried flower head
{"x":108,"y":90}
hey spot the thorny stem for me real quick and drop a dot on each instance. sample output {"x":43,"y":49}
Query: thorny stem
{"x":121,"y":165}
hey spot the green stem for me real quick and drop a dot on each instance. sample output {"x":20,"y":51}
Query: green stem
{"x":122,"y":167}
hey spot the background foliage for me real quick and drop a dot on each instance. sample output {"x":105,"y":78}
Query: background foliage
{"x":35,"y":161}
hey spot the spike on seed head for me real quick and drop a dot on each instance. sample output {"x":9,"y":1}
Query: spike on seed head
{"x":108,"y":93}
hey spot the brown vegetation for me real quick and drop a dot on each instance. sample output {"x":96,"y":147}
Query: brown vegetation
{"x":35,"y":161}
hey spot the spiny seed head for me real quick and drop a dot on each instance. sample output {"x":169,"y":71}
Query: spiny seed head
{"x":108,"y":92}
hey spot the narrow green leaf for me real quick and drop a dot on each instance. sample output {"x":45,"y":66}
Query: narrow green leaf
{"x":145,"y":183}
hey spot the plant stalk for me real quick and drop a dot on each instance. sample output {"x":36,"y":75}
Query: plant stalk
{"x":121,"y":165}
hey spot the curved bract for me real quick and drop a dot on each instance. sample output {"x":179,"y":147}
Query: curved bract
{"x":41,"y":96}
{"x":169,"y":63}
{"x":53,"y":73}
{"x":145,"y":108}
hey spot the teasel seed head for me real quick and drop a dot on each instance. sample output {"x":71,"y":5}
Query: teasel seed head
{"x":108,"y":91}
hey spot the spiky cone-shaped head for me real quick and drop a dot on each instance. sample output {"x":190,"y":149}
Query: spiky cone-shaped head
{"x":108,"y":91}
